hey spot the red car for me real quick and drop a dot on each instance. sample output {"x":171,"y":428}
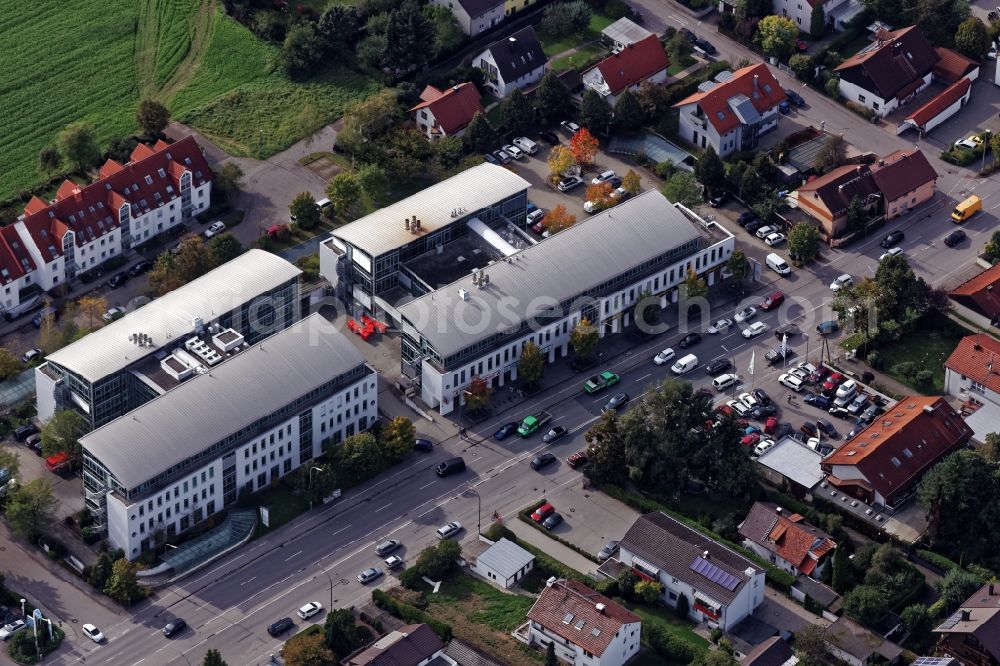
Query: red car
{"x":578,"y":459}
{"x":833,"y":381}
{"x":542,"y":512}
{"x":725,"y":410}
{"x":771,"y":425}
{"x":751,"y":439}
{"x":772,"y":301}
{"x":57,"y":461}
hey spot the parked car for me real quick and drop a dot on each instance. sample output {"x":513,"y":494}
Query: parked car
{"x":892,"y":239}
{"x":8,"y":630}
{"x":791,"y":381}
{"x":118,"y":279}
{"x":502,"y":156}
{"x":795,"y":97}
{"x":818,"y":400}
{"x":762,"y":396}
{"x":762,"y":412}
{"x":717,"y":367}
{"x":603,"y":177}
{"x":748,"y":399}
{"x":753,"y":226}
{"x":839,"y":412}
{"x":515,"y":152}
{"x":552,"y":521}
{"x":718,"y":199}
{"x":534,"y":220}
{"x":140,"y":268}
{"x":840,"y":282}
{"x":690,"y":36}
{"x":93,"y":633}
{"x":570,"y":127}
{"x":555,"y":434}
{"x":489,"y":158}
{"x":786,"y":329}
{"x":762,"y":232}
{"x":215,"y":229}
{"x":549,"y":137}
{"x":954,"y":238}
{"x":542,"y":512}
{"x":776,"y":238}
{"x":745,"y":218}
{"x":505,"y":431}
{"x":310,"y":609}
{"x":31,"y":355}
{"x":22,"y":433}
{"x":609,"y":549}
{"x":578,"y":459}
{"x":113,"y":313}
{"x":369,"y":574}
{"x":706,"y":46}
{"x":827,"y":327}
{"x":569,"y":182}
{"x":827,"y":428}
{"x":784,"y":107}
{"x":689,"y":340}
{"x":393,"y":562}
{"x":543,"y":460}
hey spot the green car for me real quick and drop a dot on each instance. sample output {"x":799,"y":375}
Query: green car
{"x":601,"y":382}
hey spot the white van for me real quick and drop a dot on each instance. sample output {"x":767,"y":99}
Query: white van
{"x":685,"y":365}
{"x":526,"y":144}
{"x":777,"y":264}
{"x":722,"y":382}
{"x":324,"y":204}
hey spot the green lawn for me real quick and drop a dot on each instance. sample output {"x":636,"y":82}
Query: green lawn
{"x":675,"y":68}
{"x":665,"y":617}
{"x":582,"y":56}
{"x":553,"y":46}
{"x":927,"y":349}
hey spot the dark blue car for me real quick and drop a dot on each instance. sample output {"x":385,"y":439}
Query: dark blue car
{"x":818,"y":400}
{"x":505,"y":431}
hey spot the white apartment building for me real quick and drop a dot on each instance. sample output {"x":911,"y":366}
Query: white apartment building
{"x":162,"y":468}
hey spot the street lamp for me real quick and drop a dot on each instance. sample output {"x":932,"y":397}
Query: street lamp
{"x":461,"y":428}
{"x":168,"y":545}
{"x":311,"y":470}
{"x":479,"y":512}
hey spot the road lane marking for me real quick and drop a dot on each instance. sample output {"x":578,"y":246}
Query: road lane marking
{"x":646,"y":376}
{"x":428,"y":485}
{"x":383,"y":507}
{"x":341,"y":530}
{"x":295,"y":555}
{"x":248,"y":581}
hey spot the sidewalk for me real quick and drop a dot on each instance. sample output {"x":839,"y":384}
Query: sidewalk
{"x":551,"y":547}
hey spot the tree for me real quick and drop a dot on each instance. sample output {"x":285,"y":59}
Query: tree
{"x":606,"y":450}
{"x":344,"y":190}
{"x":531,"y":365}
{"x":595,"y":114}
{"x":152,"y":117}
{"x":78,"y":145}
{"x":631,"y":182}
{"x":407,"y":33}
{"x":817,"y":22}
{"x":477,"y":395}
{"x":956,"y":586}
{"x":479,"y":136}
{"x":448,"y":37}
{"x":516,"y":114}
{"x":557,"y":219}
{"x":163,"y":276}
{"x":552,"y":98}
{"x":600,"y":193}
{"x":810,"y":644}
{"x":307,"y":650}
{"x":224,"y":247}
{"x":738,"y":265}
{"x":648,"y":591}
{"x":123,"y":585}
{"x":305,"y":211}
{"x":694,"y":286}
{"x":30,"y":508}
{"x":359,"y":456}
{"x":866,"y":604}
{"x":841,"y":570}
{"x":550,"y":655}
{"x":991,"y":251}
{"x":10,"y":364}
{"x":11,"y":462}
{"x":62,"y":434}
{"x":628,"y":115}
{"x":301,"y":52}
{"x":711,"y":172}
{"x":584,"y":338}
{"x":193,"y":258}
{"x":563,"y":19}
{"x":803,"y":242}
{"x":714,"y":658}
{"x":584,"y":147}
{"x":831,"y":155}
{"x":802,"y":65}
{"x":338,"y":632}
{"x":683,"y":606}
{"x":561,"y":160}
{"x":682,"y":188}
{"x":398,"y":436}
{"x":857,"y":216}
{"x":368,"y":119}
{"x":438,"y":562}
{"x":373,"y":181}
{"x":227,"y":181}
{"x":972,"y":39}
{"x":92,"y":307}
{"x":49,"y":160}
{"x":917,"y":620}
{"x":776,"y":35}
{"x":213,"y":658}
{"x":338,"y":29}
{"x":832,"y":87}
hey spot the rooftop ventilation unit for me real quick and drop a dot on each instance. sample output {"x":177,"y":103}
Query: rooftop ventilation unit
{"x":463,"y":294}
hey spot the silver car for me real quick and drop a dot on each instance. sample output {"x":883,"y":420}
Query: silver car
{"x":369,"y":574}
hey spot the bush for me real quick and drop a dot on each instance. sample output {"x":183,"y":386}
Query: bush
{"x":832,"y":88}
{"x":874,"y":359}
{"x":665,"y":170}
{"x":715,"y":635}
{"x":410,"y":614}
{"x":562,"y":19}
{"x":905,"y":369}
{"x":923,"y":377}
{"x":666,"y":645}
{"x":860,"y":109}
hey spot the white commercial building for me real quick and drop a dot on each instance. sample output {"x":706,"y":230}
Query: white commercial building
{"x":186,"y":454}
{"x":598,"y":270}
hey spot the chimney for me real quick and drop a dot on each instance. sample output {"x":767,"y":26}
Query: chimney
{"x":599,"y":608}
{"x":705,"y":555}
{"x":756,"y":82}
{"x":778,"y":510}
{"x":406,"y":223}
{"x":512,"y":41}
{"x":966,"y":614}
{"x":416,"y":222}
{"x":991,"y":589}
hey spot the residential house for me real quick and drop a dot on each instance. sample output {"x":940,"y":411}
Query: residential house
{"x":886,"y":460}
{"x":721,"y":586}
{"x":410,"y":645}
{"x":972,"y":633}
{"x":895,"y":183}
{"x":644,"y":60}
{"x":516,"y":61}
{"x":17,"y":268}
{"x":586,"y":628}
{"x":799,"y":11}
{"x":503,"y":563}
{"x":474,"y":17}
{"x":972,"y":374}
{"x":978,"y":298}
{"x":513,"y":6}
{"x":444,"y":113}
{"x":775,"y":651}
{"x":731,"y":112}
{"x":623,"y":32}
{"x":786,"y":540}
{"x":851,"y":643}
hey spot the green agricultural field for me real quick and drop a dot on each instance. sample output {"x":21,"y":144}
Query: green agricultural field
{"x":90,"y":61}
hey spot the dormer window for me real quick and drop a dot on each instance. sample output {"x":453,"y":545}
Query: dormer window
{"x":149,"y":180}
{"x":162,"y":173}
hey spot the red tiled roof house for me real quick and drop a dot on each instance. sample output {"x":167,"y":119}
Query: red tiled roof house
{"x":972,"y":372}
{"x":444,"y":113}
{"x":786,"y":540}
{"x":732,"y":111}
{"x":978,"y":298}
{"x":644,"y":60}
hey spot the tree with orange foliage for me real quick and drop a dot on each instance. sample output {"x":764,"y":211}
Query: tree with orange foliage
{"x":558,"y":219}
{"x":599,"y":191}
{"x":584,"y":146}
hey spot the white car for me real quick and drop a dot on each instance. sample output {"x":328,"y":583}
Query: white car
{"x":808,"y":367}
{"x":777,"y":238}
{"x":570,"y":126}
{"x":534,"y":217}
{"x":514,"y":152}
{"x":369,"y":574}
{"x":31,"y":355}
{"x":968,"y":142}
{"x":765,"y":231}
{"x":800,"y":373}
{"x":93,"y":633}
{"x":791,"y":381}
{"x":754,"y":329}
{"x":664,"y":356}
{"x":594,"y":206}
{"x":526,"y":145}
{"x":738,"y":407}
{"x":747,"y":400}
{"x":992,"y":55}
{"x":449,"y":530}
{"x":393,"y":562}
{"x":720,"y":326}
{"x":603,"y":177}
{"x":763,"y":447}
{"x":215,"y":229}
{"x":891,"y":253}
{"x":113,"y":313}
{"x":844,"y":280}
{"x":310,"y":609}
{"x":9,"y":630}
{"x":746,"y":314}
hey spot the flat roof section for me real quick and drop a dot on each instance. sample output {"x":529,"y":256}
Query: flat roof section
{"x":183,"y":422}
{"x":471,"y":190}
{"x":169,"y":318}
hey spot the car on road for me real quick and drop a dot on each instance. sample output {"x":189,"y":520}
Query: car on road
{"x":892,"y":239}
{"x":954,"y":238}
{"x":755,"y":329}
{"x":369,"y":574}
{"x":140,"y":268}
{"x":393,"y":562}
{"x":841,"y":281}
{"x":720,"y":326}
{"x":118,"y":280}
{"x":514,"y":152}
{"x":543,"y":460}
{"x":9,"y":630}
{"x":571,"y":127}
{"x":603,"y":177}
{"x":578,"y":459}
{"x":746,"y":314}
{"x":689,"y":340}
{"x":786,"y":329}
{"x":174,"y":627}
{"x":791,"y":381}
{"x":609,"y":549}
{"x":795,"y":97}
{"x":772,"y":300}
{"x":31,"y":355}
{"x":423,"y":445}
{"x":717,"y":366}
{"x":549,"y":137}
{"x":113,"y":313}
{"x":616,"y":402}
{"x":505,"y":431}
{"x":93,"y":633}
{"x":552,"y":521}
{"x":665,"y":356}
{"x":542,"y":512}
{"x":569,"y":182}
{"x":556,"y":433}
{"x":215,"y":229}
{"x":279,"y":627}
{"x":745,"y":218}
{"x":310,"y":609}
{"x":893,"y":252}
{"x":387,"y":547}
{"x":776,"y":238}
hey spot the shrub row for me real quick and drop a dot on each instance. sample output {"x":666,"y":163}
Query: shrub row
{"x":940,"y":561}
{"x":408,"y":613}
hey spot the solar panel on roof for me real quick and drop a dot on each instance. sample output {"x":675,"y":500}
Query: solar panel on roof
{"x":715,"y":574}
{"x":933,"y":661}
{"x":950,"y":623}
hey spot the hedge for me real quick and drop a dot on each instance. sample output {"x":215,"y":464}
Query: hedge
{"x":940,"y":561}
{"x":408,"y":613}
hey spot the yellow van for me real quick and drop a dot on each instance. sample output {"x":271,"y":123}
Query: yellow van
{"x":967,"y":209}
